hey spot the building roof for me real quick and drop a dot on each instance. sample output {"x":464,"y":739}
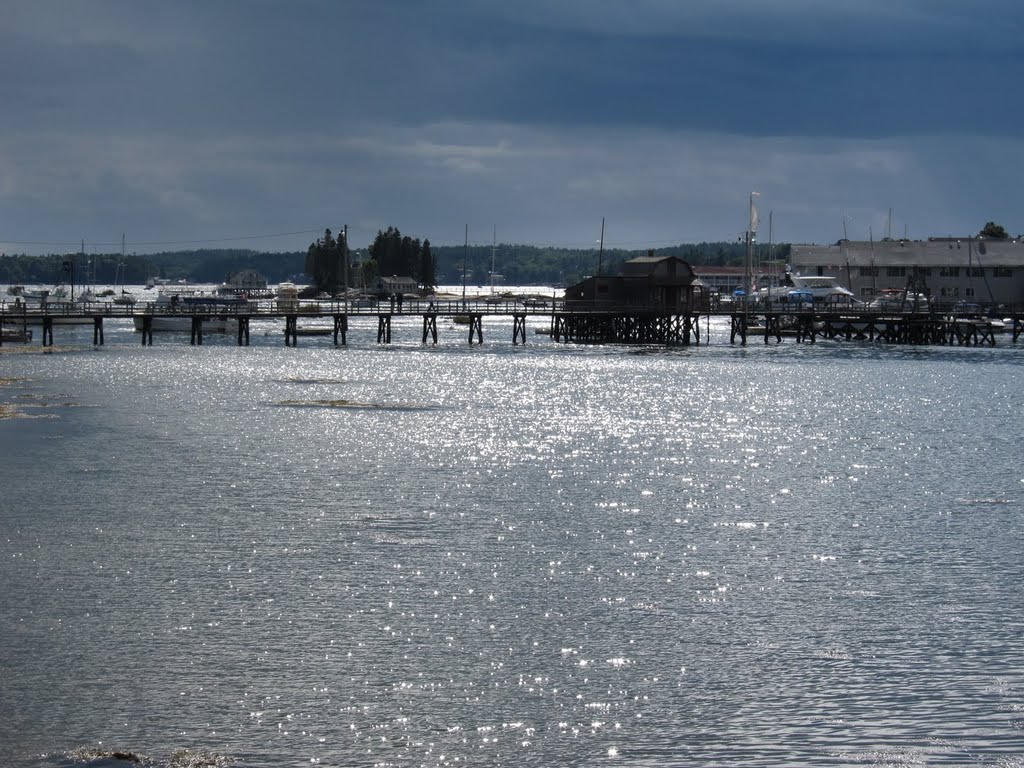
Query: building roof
{"x":934,"y":252}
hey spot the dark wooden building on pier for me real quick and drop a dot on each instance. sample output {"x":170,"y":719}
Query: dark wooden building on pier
{"x":647,"y":283}
{"x":654,"y":299}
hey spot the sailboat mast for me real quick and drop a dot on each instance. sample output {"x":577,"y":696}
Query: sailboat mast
{"x":494,"y":248}
{"x":749,"y":267}
{"x":465,"y":254}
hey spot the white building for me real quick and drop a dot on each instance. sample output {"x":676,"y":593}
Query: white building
{"x":948,"y":269}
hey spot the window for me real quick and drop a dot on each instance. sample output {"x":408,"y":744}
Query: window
{"x":923,"y":271}
{"x":977,"y":271}
{"x":949,"y":272}
{"x":969,"y":293}
{"x":1002,"y":272}
{"x":896,"y":271}
{"x":869,"y":271}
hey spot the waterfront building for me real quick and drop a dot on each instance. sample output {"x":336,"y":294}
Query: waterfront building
{"x":662,"y":283}
{"x":950,"y":270}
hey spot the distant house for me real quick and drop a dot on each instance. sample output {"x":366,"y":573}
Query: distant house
{"x":247,"y":280}
{"x":398,"y":285}
{"x":647,"y":283}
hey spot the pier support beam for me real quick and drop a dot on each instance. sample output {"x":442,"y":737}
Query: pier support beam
{"x":341,"y":329}
{"x":738,"y":327}
{"x":291,"y":330}
{"x":97,"y":331}
{"x":691,"y":329}
{"x":147,"y":331}
{"x":430,"y":327}
{"x":518,"y":328}
{"x":47,"y":331}
{"x":476,"y":324}
{"x":384,"y":329}
{"x":243,"y":331}
{"x":197,"y":330}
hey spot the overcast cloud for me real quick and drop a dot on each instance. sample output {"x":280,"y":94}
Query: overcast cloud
{"x":257,"y":124}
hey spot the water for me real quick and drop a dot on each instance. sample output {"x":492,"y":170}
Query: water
{"x":533,"y":556}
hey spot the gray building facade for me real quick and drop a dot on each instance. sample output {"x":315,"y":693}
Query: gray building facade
{"x":949,"y":270}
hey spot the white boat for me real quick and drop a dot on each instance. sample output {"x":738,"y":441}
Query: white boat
{"x":809,"y":290}
{"x":901,"y":301}
{"x":174,"y":310}
{"x":287,"y":297}
{"x":34,"y":306}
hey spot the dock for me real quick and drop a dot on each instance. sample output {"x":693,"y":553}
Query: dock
{"x":572,"y":323}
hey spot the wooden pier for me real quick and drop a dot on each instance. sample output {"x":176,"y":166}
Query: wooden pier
{"x":566,"y":324}
{"x":873,"y":326}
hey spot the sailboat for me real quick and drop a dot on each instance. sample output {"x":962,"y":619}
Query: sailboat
{"x":124,"y":298}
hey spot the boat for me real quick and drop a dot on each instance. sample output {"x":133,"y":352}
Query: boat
{"x":174,"y":310}
{"x":806,"y":291}
{"x":902,"y":301}
{"x":58,"y":311}
{"x":288,"y":297}
{"x":124,"y":298}
{"x":12,"y":332}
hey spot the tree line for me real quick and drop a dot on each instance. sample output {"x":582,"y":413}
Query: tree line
{"x":323,"y":264}
{"x":329,"y":263}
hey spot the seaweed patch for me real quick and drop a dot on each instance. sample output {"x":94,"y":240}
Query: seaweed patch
{"x":343,"y":404}
{"x":296,"y":380}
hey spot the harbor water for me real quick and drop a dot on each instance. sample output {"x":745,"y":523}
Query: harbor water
{"x":533,"y":555}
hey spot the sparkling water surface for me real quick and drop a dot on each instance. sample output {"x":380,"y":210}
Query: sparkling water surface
{"x":536,"y":555}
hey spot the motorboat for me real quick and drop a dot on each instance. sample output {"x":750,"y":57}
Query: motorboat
{"x":806,"y":291}
{"x":11,"y":332}
{"x":287,"y":297}
{"x":54,"y":311}
{"x":902,"y":301}
{"x":174,"y":310}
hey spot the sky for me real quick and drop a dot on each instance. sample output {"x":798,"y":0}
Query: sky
{"x":257,"y":124}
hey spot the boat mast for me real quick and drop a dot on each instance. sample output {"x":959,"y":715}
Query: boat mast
{"x":750,"y":250}
{"x":846,"y":257}
{"x":344,"y":256}
{"x":871,"y":237}
{"x":494,"y":248}
{"x":465,"y":253}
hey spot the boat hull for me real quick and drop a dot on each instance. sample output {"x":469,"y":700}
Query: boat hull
{"x":184,"y":324}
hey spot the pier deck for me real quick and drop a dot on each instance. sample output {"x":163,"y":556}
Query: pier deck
{"x":570,"y":323}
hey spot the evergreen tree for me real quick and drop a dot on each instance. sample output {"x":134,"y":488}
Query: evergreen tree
{"x":994,"y":231}
{"x":428,"y":268}
{"x":325,"y":263}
